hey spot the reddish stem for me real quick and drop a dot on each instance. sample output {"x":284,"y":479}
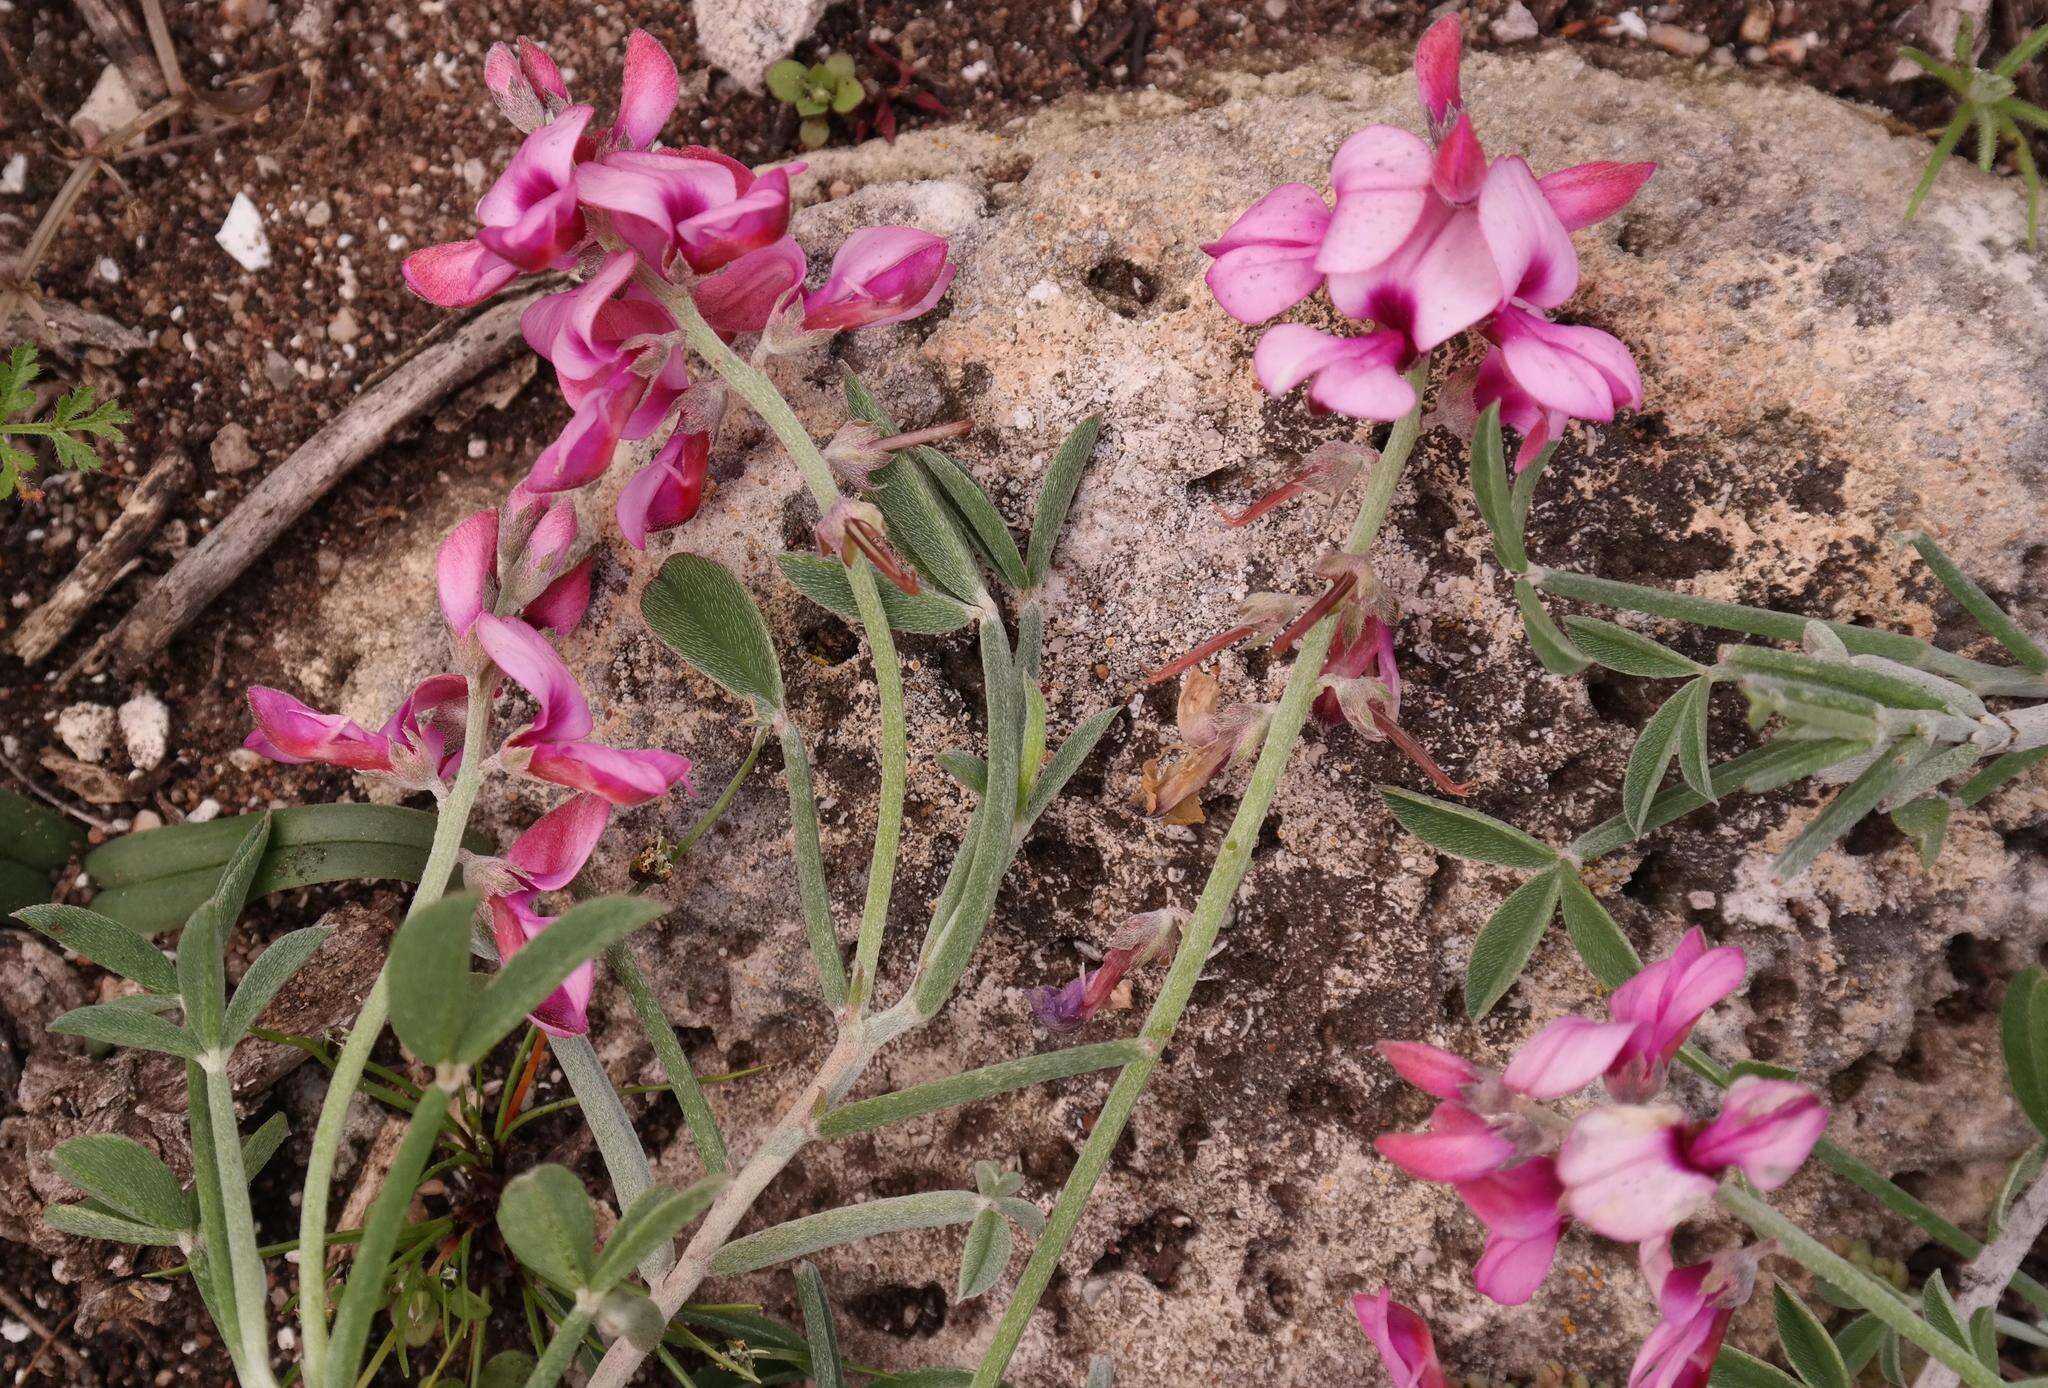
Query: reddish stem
{"x":1198,"y":654}
{"x":937,"y":433}
{"x":1401,"y":738}
{"x":1286,"y":491}
{"x":1333,"y":595}
{"x":526,"y":1079}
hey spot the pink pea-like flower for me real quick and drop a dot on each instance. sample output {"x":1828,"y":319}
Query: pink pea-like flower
{"x":693,"y":204}
{"x":1694,"y":1307}
{"x":1662,"y":1003}
{"x":420,"y":743}
{"x":1545,"y":374}
{"x":546,"y":858}
{"x":1357,"y":376}
{"x":1403,"y":1340}
{"x":1266,"y":260}
{"x":1520,"y":1207}
{"x":881,"y":275}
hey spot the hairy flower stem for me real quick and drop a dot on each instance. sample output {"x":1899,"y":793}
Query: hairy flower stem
{"x":753,"y":386}
{"x":247,"y":1287}
{"x":561,"y":1351}
{"x":1876,"y":1297}
{"x":1984,"y":1280}
{"x":355,"y":1053}
{"x":1233,"y":860}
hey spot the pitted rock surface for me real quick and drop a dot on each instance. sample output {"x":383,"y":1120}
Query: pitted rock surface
{"x":1819,"y":375}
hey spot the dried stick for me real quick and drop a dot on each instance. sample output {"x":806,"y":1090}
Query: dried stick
{"x":121,"y":37}
{"x":103,"y":567}
{"x":294,"y":485}
{"x":1985,"y":1279}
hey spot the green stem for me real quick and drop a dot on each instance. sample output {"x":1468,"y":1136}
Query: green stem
{"x":562,"y":1349}
{"x":207,"y":1263}
{"x":719,"y":806}
{"x":362,"y":1039}
{"x":250,"y":1290}
{"x":682,"y":1080}
{"x":810,"y":867}
{"x":753,"y":386}
{"x":1874,"y":1296}
{"x":1233,"y":860}
{"x":364,"y":1291}
{"x":625,"y":1160}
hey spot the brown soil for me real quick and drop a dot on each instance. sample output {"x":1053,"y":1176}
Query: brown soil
{"x":374,"y":116}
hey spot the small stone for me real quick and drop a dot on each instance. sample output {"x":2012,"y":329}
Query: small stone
{"x":245,"y":14}
{"x":1043,"y":292}
{"x":204,"y":812}
{"x":1792,"y":51}
{"x":320,"y":213}
{"x":328,"y":565}
{"x":107,"y":270}
{"x":1631,"y":24}
{"x":1515,"y":24}
{"x":1700,"y":900}
{"x":245,"y":761}
{"x":146,"y":820}
{"x":1756,"y":23}
{"x":1683,"y":43}
{"x":111,"y":105}
{"x":145,"y":730}
{"x":473,"y":172}
{"x":14,"y":178}
{"x":242,"y":235}
{"x":232,"y":452}
{"x":277,"y":369}
{"x":343,"y":327}
{"x":478,"y":447}
{"x":88,"y":730}
{"x":1276,"y":9}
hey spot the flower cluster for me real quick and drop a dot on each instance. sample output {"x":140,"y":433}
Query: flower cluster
{"x":1632,"y":1168}
{"x":505,"y":579}
{"x":656,"y":231}
{"x":1426,"y":241}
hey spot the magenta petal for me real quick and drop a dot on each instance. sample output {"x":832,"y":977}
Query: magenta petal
{"x":1533,"y":252}
{"x":1766,"y":1128}
{"x":1625,"y":1172}
{"x":290,"y":732}
{"x":555,"y":847}
{"x":561,"y":605}
{"x":625,"y":776}
{"x":564,"y":1012}
{"x":541,"y":71}
{"x":1381,"y":180}
{"x":1510,"y":1270}
{"x":1446,"y":1153}
{"x":466,"y":570}
{"x":430,"y":721}
{"x":1429,"y":1068}
{"x":1588,"y":193}
{"x":1436,"y":70}
{"x":543,"y":166}
{"x":648,"y":92}
{"x":1460,"y":166}
{"x":740,"y":298}
{"x":1402,"y":1338}
{"x":881,"y":275}
{"x":1565,"y":1057}
{"x":1265,"y":262}
{"x":530,"y":662}
{"x":1540,"y":359}
{"x":456,"y":274}
{"x":583,"y":450}
{"x":667,"y":491}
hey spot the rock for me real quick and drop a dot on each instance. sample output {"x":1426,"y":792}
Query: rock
{"x":88,"y":730}
{"x":1683,"y":43}
{"x":242,"y":235}
{"x":277,"y":369}
{"x":110,"y":105}
{"x":145,"y":730}
{"x":232,"y":453}
{"x":343,"y":327}
{"x":745,"y":36}
{"x":1514,"y":25}
{"x":1781,"y":310}
{"x":14,"y":177}
{"x":1756,"y":23}
{"x":205,"y":812}
{"x":320,"y":214}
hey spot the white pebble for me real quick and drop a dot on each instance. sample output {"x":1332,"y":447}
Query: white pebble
{"x":14,"y":178}
{"x":204,"y":812}
{"x":242,"y":235}
{"x":146,"y":729}
{"x":88,"y":730}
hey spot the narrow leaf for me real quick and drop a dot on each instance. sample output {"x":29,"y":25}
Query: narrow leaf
{"x":1490,"y":491}
{"x":1938,"y":1309}
{"x":430,"y":980}
{"x":1979,"y":604}
{"x":1925,"y":822}
{"x":1056,"y":496}
{"x":966,"y":768}
{"x":126,"y":1026}
{"x":986,"y":1254}
{"x":107,"y":943}
{"x":829,"y":1228}
{"x":1651,"y":757}
{"x":2001,"y":770}
{"x":1594,"y":934}
{"x":2026,"y":1168}
{"x":1807,"y":1344}
{"x":1465,"y":833}
{"x":1858,"y":1342}
{"x":1553,"y":648}
{"x":1052,"y":778}
{"x":709,"y":618}
{"x":525,"y":980}
{"x":1508,"y":939}
{"x":271,"y":971}
{"x":88,"y":1223}
{"x":649,"y":1223}
{"x":2023,"y":1028}
{"x":1735,"y":1369}
{"x":865,"y":1115}
{"x":1632,"y":653}
{"x":819,"y":1332}
{"x":824,"y":582}
{"x":127,"y":1178}
{"x":260,"y":1146}
{"x":545,"y":1217}
{"x":202,"y":949}
{"x":40,"y":839}
{"x":986,"y":524}
{"x":1693,"y":763}
{"x":1850,"y":804}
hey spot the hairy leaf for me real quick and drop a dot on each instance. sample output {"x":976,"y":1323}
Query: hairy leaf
{"x":1508,"y":939}
{"x":1465,"y":833}
{"x":1056,"y":497}
{"x":109,"y":944}
{"x":824,"y":582}
{"x":709,"y":618}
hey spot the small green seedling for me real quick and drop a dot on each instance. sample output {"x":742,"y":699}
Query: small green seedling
{"x":1985,"y":100}
{"x":818,"y":92}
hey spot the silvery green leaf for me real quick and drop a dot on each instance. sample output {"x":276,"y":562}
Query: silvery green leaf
{"x":1979,"y":604}
{"x":1735,"y":1369}
{"x":1651,"y":757}
{"x":985,"y":1256}
{"x":628,"y":1314}
{"x":1858,"y":1342}
{"x":2020,"y":1175}
{"x":1693,"y":763}
{"x":128,"y":1026}
{"x":824,"y":582}
{"x":709,"y":618}
{"x":1490,"y":491}
{"x":1465,"y":833}
{"x":202,"y":949}
{"x":545,"y":1217}
{"x":1849,"y":806}
{"x":648,"y":1223}
{"x":821,"y":1336}
{"x":261,"y":1145}
{"x":108,"y":943}
{"x":1807,"y":1344}
{"x":1925,"y":822}
{"x":1938,"y":1309}
{"x":986,"y":524}
{"x":1508,"y":939}
{"x":1054,"y":775}
{"x":87,"y":1223}
{"x":127,"y":1178}
{"x":1630,"y":652}
{"x":986,"y":1176}
{"x":510,"y":1369}
{"x":430,"y":978}
{"x":2000,"y":771}
{"x":273,"y":968}
{"x":1595,"y":935}
{"x":1553,"y":648}
{"x":966,"y":768}
{"x":1022,"y":1212}
{"x":2023,"y":1037}
{"x":1819,"y":641}
{"x":524,"y":981}
{"x":1056,"y":497}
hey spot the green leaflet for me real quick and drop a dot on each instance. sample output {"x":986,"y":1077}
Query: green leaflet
{"x":1465,"y":833}
{"x":709,"y":618}
{"x":1508,"y":939}
{"x":1553,"y":648}
{"x":824,"y":582}
{"x":1056,"y":497}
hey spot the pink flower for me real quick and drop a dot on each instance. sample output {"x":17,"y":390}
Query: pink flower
{"x":1694,"y":1306}
{"x":1437,"y":56}
{"x":599,"y":340}
{"x":529,"y":89}
{"x":1545,"y":374}
{"x":546,"y":858}
{"x":530,"y":217}
{"x":1431,"y":1069}
{"x":1356,"y":376}
{"x":1403,"y":1340}
{"x":668,"y":491}
{"x":1140,"y":940}
{"x":1588,"y":193}
{"x":1662,"y":1003}
{"x":694,"y":203}
{"x":881,"y":275}
{"x":552,"y":747}
{"x":1460,"y":1145}
{"x":419,"y":744}
{"x":1520,"y":1207}
{"x":1565,"y":1057}
{"x":1265,"y":261}
{"x":1766,"y":1129}
{"x":457,"y":273}
{"x":743,"y":296}
{"x":1381,"y":180}
{"x":539,"y":581}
